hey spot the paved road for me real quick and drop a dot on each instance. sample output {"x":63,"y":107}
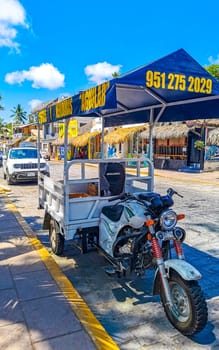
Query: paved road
{"x":125,"y":307}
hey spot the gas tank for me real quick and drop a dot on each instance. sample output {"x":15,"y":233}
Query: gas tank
{"x":135,"y":214}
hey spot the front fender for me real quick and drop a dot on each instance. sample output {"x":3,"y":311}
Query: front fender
{"x":182,"y":267}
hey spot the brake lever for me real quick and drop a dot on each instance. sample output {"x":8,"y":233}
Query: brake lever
{"x":171,"y":192}
{"x":179,"y":195}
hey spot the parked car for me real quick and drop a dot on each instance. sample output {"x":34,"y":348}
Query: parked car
{"x":21,"y":165}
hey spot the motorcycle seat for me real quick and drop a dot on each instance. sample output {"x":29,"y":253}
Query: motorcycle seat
{"x":113,"y":212}
{"x":148,"y":196}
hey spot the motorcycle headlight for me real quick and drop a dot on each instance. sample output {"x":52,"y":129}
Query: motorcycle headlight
{"x":168,"y":219}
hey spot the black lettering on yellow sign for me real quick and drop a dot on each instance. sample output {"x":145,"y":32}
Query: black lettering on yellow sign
{"x":94,"y":97}
{"x":175,"y":81}
{"x":64,"y":108}
{"x":42,"y":116}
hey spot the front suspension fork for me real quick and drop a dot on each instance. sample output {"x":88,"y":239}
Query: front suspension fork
{"x":179,"y":249}
{"x":161,"y":267}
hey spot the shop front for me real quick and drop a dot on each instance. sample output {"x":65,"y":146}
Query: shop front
{"x":87,"y":145}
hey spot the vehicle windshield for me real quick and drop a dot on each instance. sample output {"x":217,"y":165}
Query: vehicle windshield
{"x":23,"y":153}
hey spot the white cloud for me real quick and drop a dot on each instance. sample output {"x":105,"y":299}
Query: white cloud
{"x":213,"y":60}
{"x":100,"y":72}
{"x":34,"y":103}
{"x":12,"y":14}
{"x":44,"y":76}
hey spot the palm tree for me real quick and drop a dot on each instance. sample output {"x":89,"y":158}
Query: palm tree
{"x":19,"y":115}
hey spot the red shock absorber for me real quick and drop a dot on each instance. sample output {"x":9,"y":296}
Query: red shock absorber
{"x":156,"y":248}
{"x":178,"y":249}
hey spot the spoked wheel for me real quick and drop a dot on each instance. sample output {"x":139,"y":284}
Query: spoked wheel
{"x":189,"y":311}
{"x":56,"y":238}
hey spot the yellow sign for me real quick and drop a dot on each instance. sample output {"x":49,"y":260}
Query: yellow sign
{"x":42,"y":116}
{"x":175,"y":81}
{"x":94,"y":97}
{"x":64,"y":109}
{"x":72,"y":129}
{"x":61,"y":130}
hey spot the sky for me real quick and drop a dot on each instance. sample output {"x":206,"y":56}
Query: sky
{"x":53,"y":48}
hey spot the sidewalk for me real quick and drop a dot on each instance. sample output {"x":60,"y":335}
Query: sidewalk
{"x":39,"y":308}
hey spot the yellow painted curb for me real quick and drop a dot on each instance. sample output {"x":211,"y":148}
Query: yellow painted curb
{"x":98,"y":334}
{"x":4,"y":189}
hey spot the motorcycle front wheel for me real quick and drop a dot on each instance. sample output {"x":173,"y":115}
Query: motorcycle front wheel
{"x":189,"y":312}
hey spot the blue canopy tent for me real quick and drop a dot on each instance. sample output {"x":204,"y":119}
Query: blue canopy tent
{"x":173,"y":88}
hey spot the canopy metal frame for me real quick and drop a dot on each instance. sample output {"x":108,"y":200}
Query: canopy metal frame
{"x":130,"y":100}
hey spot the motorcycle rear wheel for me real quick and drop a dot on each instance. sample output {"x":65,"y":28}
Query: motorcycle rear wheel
{"x":189,"y":312}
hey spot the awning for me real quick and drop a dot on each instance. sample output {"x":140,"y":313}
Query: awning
{"x":34,"y":134}
{"x":173,"y":88}
{"x":31,"y":139}
{"x":167,"y":131}
{"x":82,"y":140}
{"x":204,"y":123}
{"x":15,"y":142}
{"x":122,"y":134}
{"x":60,"y":141}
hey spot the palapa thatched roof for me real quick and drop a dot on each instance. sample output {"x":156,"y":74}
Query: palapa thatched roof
{"x":82,"y":140}
{"x":167,"y":131}
{"x":34,"y":135}
{"x":122,"y":134}
{"x":204,"y":122}
{"x":31,"y":139}
{"x":213,"y":137}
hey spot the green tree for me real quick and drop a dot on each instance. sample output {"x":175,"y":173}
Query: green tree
{"x":213,"y":69}
{"x":115,"y":75}
{"x":19,"y":115}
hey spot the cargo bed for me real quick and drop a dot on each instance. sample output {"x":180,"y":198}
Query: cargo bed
{"x":76,"y":202}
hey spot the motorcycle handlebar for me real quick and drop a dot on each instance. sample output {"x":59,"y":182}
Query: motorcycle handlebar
{"x":171,"y":192}
{"x":127,"y":196}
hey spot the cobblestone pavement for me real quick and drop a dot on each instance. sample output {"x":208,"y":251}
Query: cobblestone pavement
{"x":125,"y":307}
